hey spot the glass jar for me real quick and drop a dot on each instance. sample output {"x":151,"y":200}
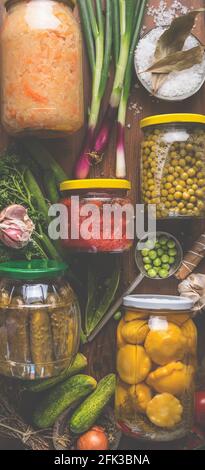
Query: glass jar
{"x":39,"y":320}
{"x":156,"y":363}
{"x":42,"y":78}
{"x":173,"y":164}
{"x":100,"y":216}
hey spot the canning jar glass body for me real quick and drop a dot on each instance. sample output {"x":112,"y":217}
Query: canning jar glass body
{"x":173,"y":169}
{"x":104,"y":218}
{"x":42,"y":79}
{"x":156,"y":363}
{"x":39,"y":327}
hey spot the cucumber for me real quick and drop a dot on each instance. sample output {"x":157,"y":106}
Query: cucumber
{"x":89,"y":411}
{"x":79,"y":364}
{"x":59,"y":398}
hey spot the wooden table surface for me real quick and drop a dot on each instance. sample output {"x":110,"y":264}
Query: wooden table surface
{"x":102,"y":351}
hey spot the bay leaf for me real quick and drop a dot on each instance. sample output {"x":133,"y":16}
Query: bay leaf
{"x":173,"y":40}
{"x":178,"y":61}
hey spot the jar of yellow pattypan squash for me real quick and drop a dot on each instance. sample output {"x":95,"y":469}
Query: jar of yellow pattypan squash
{"x":156,"y":365}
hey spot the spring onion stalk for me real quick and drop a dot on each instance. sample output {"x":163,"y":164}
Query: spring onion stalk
{"x":102,"y":36}
{"x":126,"y":15}
{"x":116,"y":30}
{"x":87,"y":33}
{"x":120,"y":154}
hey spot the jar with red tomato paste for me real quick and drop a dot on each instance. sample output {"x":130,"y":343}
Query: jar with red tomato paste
{"x":100,"y":216}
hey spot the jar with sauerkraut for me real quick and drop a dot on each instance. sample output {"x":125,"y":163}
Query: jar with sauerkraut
{"x":156,"y":365}
{"x":39,"y":320}
{"x":41,"y":77}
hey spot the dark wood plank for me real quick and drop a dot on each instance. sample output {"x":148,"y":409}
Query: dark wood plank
{"x":102,"y":352}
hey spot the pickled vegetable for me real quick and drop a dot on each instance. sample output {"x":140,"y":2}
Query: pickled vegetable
{"x":120,"y":340}
{"x":60,"y":324}
{"x":133,"y":364}
{"x":135,"y":332}
{"x":156,"y":362}
{"x":17,"y":323}
{"x":141,"y":395}
{"x":165,"y":343}
{"x":190,"y":332}
{"x":173,"y":172}
{"x":174,"y":378}
{"x":38,"y":38}
{"x":165,"y":411}
{"x":4,"y":367}
{"x":39,"y":321}
{"x":41,"y":343}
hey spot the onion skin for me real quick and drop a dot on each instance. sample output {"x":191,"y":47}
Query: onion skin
{"x":95,"y":439}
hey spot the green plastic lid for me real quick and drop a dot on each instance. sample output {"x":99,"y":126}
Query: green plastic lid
{"x":30,"y":270}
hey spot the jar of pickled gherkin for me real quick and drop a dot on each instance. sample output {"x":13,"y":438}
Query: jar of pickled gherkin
{"x":156,"y":364}
{"x":39,"y":320}
{"x":173,"y":164}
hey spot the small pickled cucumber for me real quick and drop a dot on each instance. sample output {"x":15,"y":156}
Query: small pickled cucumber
{"x":17,"y":323}
{"x":41,"y":343}
{"x":60,"y":324}
{"x":4,"y":367}
{"x":4,"y":299}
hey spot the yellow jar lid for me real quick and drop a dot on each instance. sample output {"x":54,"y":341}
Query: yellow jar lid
{"x":172,"y":118}
{"x":101,"y":183}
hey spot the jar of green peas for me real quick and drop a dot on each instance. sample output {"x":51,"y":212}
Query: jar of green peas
{"x":173,"y":164}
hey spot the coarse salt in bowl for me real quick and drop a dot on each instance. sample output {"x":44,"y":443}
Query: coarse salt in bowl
{"x":179,"y":85}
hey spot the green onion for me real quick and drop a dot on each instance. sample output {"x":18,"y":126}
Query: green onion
{"x":88,"y":33}
{"x":116,"y":30}
{"x":120,"y":154}
{"x":100,"y":36}
{"x":126,"y":16}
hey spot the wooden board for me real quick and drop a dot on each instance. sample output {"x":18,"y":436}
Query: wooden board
{"x":102,"y":351}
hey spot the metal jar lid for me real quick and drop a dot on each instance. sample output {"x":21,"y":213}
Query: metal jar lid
{"x":158,"y":302}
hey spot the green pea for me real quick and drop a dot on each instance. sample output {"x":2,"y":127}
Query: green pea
{"x":146,"y":260}
{"x":172,"y":260}
{"x":160,"y":252}
{"x":149,"y":244}
{"x":163,"y":273}
{"x":117,"y":316}
{"x":163,"y":241}
{"x":147,"y":267}
{"x":172,"y":252}
{"x":166,"y":267}
{"x":157,"y":245}
{"x":165,"y":259}
{"x":152,"y":273}
{"x":152,"y":255}
{"x":171,"y":244}
{"x":146,"y":253}
{"x":157,"y":262}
